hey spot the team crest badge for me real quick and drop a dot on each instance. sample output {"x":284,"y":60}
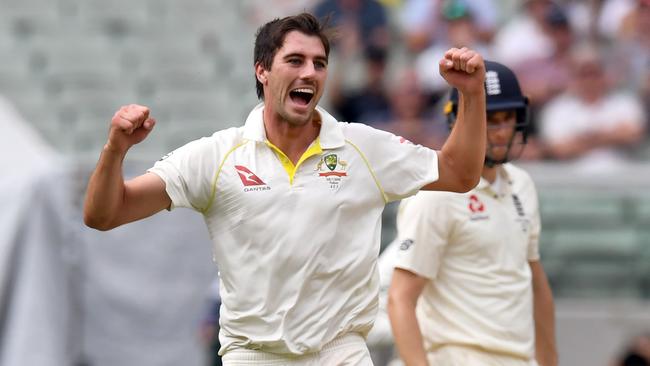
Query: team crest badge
{"x":332,"y":169}
{"x":331,"y":161}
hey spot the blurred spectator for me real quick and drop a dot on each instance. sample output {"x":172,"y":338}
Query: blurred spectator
{"x":598,"y":20}
{"x":635,"y":22}
{"x":543,"y":78}
{"x":611,"y":16}
{"x":461,"y":32}
{"x":264,"y":11}
{"x":591,"y":123}
{"x":633,"y":49}
{"x":410,"y":116}
{"x":422,"y":26}
{"x":523,"y":37}
{"x":645,"y":94}
{"x":361,"y":23}
{"x":637,"y":352}
{"x":369,"y":104}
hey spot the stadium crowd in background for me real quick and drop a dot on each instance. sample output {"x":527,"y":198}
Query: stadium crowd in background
{"x":536,"y":38}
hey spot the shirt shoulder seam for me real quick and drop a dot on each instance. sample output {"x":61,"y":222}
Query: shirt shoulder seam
{"x":213,"y":190}
{"x":372,"y":173}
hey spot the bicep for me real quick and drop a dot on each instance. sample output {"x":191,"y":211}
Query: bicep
{"x":143,"y":196}
{"x":406,"y":286}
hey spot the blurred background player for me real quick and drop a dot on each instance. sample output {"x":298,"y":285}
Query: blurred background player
{"x":468,"y":287}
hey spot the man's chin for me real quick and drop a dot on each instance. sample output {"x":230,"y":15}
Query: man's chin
{"x":300,"y":117}
{"x":497,"y":157}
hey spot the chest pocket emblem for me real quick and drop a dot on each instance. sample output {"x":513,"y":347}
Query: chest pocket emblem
{"x":332,"y":169}
{"x":475,"y":205}
{"x":477,"y":209}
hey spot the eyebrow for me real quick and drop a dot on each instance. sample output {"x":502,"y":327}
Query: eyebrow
{"x":296,"y":54}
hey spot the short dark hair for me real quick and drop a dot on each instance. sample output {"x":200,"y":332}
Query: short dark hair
{"x":270,"y":38}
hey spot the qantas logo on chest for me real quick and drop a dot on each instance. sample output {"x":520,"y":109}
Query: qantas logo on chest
{"x":250,"y":181}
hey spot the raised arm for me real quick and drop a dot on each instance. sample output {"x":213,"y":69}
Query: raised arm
{"x":461,"y":158}
{"x":110,"y":201}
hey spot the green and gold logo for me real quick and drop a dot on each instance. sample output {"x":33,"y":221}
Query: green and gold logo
{"x":331,"y":161}
{"x":334,"y":173}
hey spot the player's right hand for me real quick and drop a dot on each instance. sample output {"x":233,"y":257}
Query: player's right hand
{"x":130,"y":125}
{"x":463,"y":69}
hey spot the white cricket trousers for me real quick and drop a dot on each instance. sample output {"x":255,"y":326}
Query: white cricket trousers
{"x":468,"y":356}
{"x":346,"y":350}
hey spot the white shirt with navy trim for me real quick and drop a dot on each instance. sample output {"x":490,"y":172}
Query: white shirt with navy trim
{"x":297,"y":256}
{"x":475,"y":250}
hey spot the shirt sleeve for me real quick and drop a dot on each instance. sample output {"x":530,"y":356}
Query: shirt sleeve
{"x":423,"y":230}
{"x":400,"y":167}
{"x":188,"y":172}
{"x":535,"y":230}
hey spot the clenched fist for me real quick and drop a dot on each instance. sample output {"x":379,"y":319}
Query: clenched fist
{"x":130,"y":125}
{"x":463,"y":69}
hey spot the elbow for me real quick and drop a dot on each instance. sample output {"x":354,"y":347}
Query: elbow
{"x":97,"y":223}
{"x":466,"y":184}
{"x":396,"y":300}
{"x":460,"y":177}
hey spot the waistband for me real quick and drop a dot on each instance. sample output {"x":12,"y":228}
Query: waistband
{"x":342,"y":341}
{"x":480,"y":350}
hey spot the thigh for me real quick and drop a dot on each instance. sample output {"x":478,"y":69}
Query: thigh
{"x":349,"y":350}
{"x":353,"y":355}
{"x":448,"y":356}
{"x":462,"y":356}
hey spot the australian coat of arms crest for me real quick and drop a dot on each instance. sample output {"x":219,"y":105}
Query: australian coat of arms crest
{"x":332,"y":169}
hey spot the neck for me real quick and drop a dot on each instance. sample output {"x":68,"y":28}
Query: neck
{"x":292,"y":139}
{"x":490,"y":174}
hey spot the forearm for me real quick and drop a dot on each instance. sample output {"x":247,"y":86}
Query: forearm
{"x":544,"y":312}
{"x":622,"y":135}
{"x":466,"y":144}
{"x":406,"y":331}
{"x":105,"y":193}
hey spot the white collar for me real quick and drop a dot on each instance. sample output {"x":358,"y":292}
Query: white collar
{"x":330,"y":135}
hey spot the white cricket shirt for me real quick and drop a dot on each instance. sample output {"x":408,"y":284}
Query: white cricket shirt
{"x":475,"y":248}
{"x":296,"y":246}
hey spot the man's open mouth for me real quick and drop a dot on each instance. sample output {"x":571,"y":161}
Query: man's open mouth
{"x":301,"y":96}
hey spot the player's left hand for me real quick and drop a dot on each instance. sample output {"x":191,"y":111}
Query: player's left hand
{"x":463,"y":69}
